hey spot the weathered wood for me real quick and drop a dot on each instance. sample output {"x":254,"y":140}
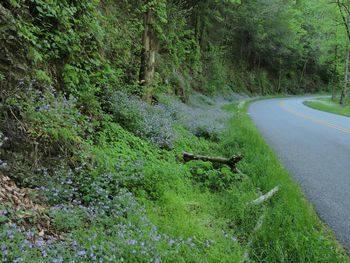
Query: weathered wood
{"x":231,"y":162}
{"x":266,"y":196}
{"x":257,"y":227}
{"x":259,"y":223}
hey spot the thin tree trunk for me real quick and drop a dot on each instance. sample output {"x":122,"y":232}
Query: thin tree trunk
{"x":335,"y":79}
{"x":345,"y":19}
{"x":198,"y":25}
{"x":345,"y":87}
{"x":148,"y":57}
{"x":303,"y":72}
{"x":259,"y":77}
{"x":279,"y":75}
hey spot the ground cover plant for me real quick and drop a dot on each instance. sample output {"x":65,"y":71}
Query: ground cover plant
{"x":128,"y":202}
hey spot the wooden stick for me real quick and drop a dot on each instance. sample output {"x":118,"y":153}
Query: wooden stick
{"x":255,"y":230}
{"x":240,"y":172}
{"x":265,"y":197}
{"x":260,"y":221}
{"x":230,"y":162}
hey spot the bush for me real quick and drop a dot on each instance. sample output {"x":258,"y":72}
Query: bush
{"x":144,"y":120}
{"x":49,"y":116}
{"x":66,"y":218}
{"x":215,"y":179}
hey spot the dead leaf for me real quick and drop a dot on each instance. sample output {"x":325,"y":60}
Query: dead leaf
{"x":42,"y":233}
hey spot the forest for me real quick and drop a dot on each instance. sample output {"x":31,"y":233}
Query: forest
{"x":100,"y":99}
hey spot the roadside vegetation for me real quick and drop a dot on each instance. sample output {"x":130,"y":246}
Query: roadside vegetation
{"x":328,"y":105}
{"x":99,"y":100}
{"x":136,"y":201}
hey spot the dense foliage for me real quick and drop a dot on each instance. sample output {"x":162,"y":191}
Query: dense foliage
{"x":259,"y":46}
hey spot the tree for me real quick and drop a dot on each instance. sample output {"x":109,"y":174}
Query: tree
{"x":154,"y":17}
{"x":345,"y":14}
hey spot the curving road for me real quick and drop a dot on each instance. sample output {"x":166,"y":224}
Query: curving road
{"x":315,"y":147}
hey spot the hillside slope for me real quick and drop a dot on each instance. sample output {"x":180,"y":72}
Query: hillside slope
{"x":98,"y":102}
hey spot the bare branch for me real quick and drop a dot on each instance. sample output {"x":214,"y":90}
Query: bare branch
{"x":265,"y":197}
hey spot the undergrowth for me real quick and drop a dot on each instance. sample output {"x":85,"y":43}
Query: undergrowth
{"x":118,"y":197}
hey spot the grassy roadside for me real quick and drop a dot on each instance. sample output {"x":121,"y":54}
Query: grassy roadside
{"x":326,"y":104}
{"x":291,"y":232}
{"x":140,"y":203}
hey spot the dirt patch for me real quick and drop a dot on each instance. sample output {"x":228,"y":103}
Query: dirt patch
{"x":18,"y":208}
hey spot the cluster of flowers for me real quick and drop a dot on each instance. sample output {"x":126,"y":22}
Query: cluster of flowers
{"x":128,"y":173}
{"x":203,"y":116}
{"x":153,"y":122}
{"x":47,"y":98}
{"x":117,"y":227}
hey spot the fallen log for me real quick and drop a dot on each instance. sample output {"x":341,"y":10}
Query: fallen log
{"x":266,"y":196}
{"x":231,"y":162}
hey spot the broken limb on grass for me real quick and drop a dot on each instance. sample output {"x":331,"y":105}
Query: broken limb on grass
{"x":259,"y":223}
{"x":231,"y":162}
{"x":266,"y":196}
{"x":257,"y":227}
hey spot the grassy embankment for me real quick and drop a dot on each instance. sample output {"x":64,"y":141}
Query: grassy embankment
{"x":328,"y":105}
{"x":291,"y":230}
{"x":180,"y":212}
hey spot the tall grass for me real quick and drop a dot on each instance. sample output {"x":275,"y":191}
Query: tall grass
{"x":291,"y":232}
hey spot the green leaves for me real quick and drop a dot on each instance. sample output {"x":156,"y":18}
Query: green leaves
{"x":160,"y":18}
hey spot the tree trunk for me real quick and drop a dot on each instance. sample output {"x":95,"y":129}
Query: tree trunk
{"x":335,"y":78}
{"x":279,"y":75}
{"x":148,"y":57}
{"x":198,"y":25}
{"x":303,"y":72}
{"x":345,"y":87}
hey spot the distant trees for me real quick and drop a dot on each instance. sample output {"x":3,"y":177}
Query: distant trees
{"x":345,"y":15}
{"x":261,"y":45}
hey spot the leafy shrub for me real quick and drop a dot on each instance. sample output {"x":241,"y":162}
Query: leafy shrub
{"x":215,"y":179}
{"x":66,"y":218}
{"x":144,"y":120}
{"x":48,"y":115}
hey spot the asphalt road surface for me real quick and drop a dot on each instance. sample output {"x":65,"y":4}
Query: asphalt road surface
{"x":314,"y":146}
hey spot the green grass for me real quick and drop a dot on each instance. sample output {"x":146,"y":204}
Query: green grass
{"x":194,"y":200}
{"x":328,"y":105}
{"x":291,"y":232}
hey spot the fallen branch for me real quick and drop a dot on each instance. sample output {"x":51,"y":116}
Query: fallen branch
{"x":240,"y":172}
{"x":259,"y":223}
{"x":265,"y":197}
{"x":231,"y":162}
{"x":257,"y":227}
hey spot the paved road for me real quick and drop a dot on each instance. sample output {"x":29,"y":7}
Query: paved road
{"x":315,"y":147}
